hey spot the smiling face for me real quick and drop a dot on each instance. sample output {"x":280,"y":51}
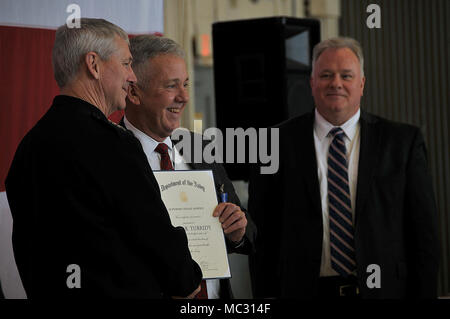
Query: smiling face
{"x":337,"y":85}
{"x":161,"y":100}
{"x":116,"y":76}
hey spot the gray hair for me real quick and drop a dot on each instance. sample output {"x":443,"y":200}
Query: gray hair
{"x":72,"y":44}
{"x":145,"y":47}
{"x":339,"y":43}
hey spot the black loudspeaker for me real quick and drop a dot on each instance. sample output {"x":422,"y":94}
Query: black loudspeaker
{"x":261,"y":73}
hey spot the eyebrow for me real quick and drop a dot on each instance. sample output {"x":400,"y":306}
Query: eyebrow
{"x":331,"y":71}
{"x":345,"y":70}
{"x":177,"y":80}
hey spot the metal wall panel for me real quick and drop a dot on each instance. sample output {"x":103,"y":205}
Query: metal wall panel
{"x":408,"y":80}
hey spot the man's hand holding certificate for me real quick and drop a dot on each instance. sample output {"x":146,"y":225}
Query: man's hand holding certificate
{"x":233,"y":221}
{"x":190,"y":199}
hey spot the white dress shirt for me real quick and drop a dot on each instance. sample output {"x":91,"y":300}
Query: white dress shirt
{"x":322,"y":142}
{"x":154,"y":159}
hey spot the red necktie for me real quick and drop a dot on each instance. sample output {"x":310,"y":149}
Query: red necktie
{"x":203,"y":294}
{"x":166,"y":163}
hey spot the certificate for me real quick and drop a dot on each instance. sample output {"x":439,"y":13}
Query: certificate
{"x":190,"y":199}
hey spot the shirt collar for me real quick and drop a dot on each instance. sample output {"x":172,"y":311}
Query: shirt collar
{"x":148,"y":143}
{"x":322,"y":127}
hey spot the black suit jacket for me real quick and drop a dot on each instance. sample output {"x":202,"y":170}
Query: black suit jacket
{"x":69,"y":207}
{"x":221,"y":180}
{"x":395,"y":216}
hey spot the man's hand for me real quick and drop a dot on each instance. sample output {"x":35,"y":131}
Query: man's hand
{"x":191,"y":296}
{"x":233,"y":221}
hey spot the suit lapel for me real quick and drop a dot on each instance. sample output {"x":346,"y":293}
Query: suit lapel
{"x":193,"y":165}
{"x":369,"y":148}
{"x":200,"y":166}
{"x":122,"y":122}
{"x":306,"y":149}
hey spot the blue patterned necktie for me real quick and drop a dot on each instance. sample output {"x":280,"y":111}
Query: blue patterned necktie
{"x":342,"y":248}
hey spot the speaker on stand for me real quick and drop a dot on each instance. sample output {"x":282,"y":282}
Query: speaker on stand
{"x":261,"y":74}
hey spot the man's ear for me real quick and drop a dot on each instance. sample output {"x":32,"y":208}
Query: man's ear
{"x":311,"y":81}
{"x":92,"y":61}
{"x":132,"y":94}
{"x":363,"y":81}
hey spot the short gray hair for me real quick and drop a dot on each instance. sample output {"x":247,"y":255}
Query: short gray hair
{"x":145,"y":47}
{"x":339,"y":43}
{"x":72,"y":44}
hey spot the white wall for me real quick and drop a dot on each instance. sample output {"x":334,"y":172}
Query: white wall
{"x":136,"y":16}
{"x":9,"y":276}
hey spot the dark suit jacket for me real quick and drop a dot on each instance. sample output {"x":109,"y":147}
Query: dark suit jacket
{"x":221,"y":178}
{"x":69,"y":207}
{"x":395,"y":217}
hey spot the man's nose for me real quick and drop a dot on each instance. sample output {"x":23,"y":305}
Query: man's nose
{"x":183,"y":95}
{"x":131,"y":77}
{"x":336,"y":81}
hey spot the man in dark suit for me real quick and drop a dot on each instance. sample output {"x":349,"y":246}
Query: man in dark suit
{"x":154,"y":108}
{"x":351,"y":211}
{"x":80,"y":230}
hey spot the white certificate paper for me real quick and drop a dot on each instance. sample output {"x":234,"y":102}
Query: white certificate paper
{"x":190,"y":199}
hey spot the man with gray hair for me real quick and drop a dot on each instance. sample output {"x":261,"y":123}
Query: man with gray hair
{"x":356,"y":216}
{"x":154,"y":108}
{"x":80,"y":230}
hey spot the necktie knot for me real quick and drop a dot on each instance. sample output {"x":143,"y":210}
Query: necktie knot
{"x":166,"y":163}
{"x":337,"y":132}
{"x":162,"y":148}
